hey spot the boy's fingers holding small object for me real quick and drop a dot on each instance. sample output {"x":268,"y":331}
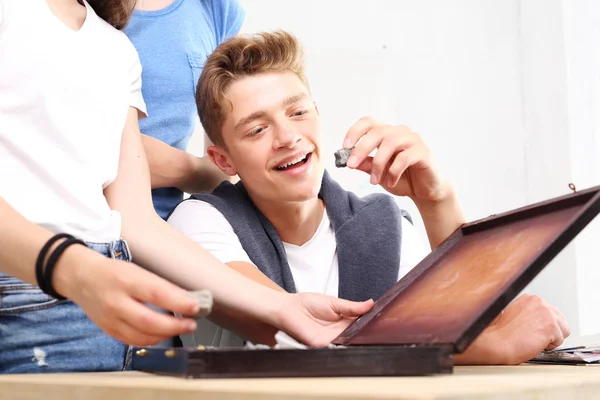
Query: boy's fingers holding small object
{"x":358,"y":130}
{"x":342,"y":156}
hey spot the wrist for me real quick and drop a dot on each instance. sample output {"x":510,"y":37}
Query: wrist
{"x":487,"y":349}
{"x":260,"y":302}
{"x":275,"y":309}
{"x":72,"y":268}
{"x":444,"y":208}
{"x":438,"y":198}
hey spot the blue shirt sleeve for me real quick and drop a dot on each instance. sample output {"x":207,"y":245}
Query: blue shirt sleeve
{"x":228,"y":17}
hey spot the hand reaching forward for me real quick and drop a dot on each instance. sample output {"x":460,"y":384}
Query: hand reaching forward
{"x":316,"y":319}
{"x":112,"y":292}
{"x":527,"y":327}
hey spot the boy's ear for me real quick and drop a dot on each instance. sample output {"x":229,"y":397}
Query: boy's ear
{"x":221,"y":159}
{"x":316,"y":107}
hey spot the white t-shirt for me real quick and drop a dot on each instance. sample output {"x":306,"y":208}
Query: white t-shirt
{"x":314,"y":265}
{"x":64,"y":99}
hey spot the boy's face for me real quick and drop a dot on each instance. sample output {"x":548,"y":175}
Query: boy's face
{"x":272,"y":135}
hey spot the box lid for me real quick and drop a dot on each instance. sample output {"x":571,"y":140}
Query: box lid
{"x":460,"y":287}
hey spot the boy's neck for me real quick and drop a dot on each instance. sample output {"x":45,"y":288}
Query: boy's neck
{"x":295,"y":222}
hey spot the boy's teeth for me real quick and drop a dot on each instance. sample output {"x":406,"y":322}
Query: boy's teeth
{"x":293,"y":162}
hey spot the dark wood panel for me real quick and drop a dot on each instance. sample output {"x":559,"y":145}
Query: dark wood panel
{"x":313,"y":362}
{"x":455,"y":292}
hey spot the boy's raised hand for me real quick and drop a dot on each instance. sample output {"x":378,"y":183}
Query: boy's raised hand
{"x":402,"y":164}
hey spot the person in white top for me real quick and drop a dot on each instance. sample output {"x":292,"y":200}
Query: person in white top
{"x":255,"y":105}
{"x":72,"y":163}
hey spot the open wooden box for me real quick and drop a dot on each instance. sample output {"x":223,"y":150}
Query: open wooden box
{"x":435,"y":311}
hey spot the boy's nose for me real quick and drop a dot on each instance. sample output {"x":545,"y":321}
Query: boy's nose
{"x":286,"y":137}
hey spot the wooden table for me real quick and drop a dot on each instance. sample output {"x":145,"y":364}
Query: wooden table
{"x":522,"y":382}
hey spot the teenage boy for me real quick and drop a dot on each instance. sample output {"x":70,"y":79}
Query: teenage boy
{"x":290,"y":226}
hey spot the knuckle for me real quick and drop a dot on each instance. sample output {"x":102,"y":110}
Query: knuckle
{"x":399,"y":164}
{"x":527,"y":297}
{"x":155,"y":294}
{"x":122,"y":281}
{"x":394,"y":171}
{"x":402,"y":130}
{"x":393,"y":132}
{"x":548,"y":319}
{"x":534,"y":300}
{"x":367,"y":120}
{"x":390,"y":139}
{"x":110,"y":306}
{"x":146,"y":320}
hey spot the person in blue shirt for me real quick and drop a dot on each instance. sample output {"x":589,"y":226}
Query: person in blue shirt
{"x":173,"y":39}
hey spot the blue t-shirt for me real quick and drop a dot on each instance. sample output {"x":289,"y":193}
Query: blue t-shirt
{"x":173,"y":44}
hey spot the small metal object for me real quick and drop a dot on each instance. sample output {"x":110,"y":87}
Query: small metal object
{"x":572,"y":187}
{"x":342,"y":156}
{"x":170,"y":353}
{"x":201,"y":347}
{"x":141,"y":352}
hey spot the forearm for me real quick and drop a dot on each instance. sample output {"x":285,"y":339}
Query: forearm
{"x":20,"y":243}
{"x":208,"y":177}
{"x":255,"y":331}
{"x":190,"y":266}
{"x":167,"y":252}
{"x":171,"y":167}
{"x":441,"y":218}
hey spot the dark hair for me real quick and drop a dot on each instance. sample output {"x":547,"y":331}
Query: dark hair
{"x":115,"y":12}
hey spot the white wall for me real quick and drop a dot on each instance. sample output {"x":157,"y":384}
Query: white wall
{"x":505,"y":93}
{"x":581,"y":21}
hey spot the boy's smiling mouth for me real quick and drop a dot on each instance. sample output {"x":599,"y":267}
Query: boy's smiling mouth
{"x":294,"y":161}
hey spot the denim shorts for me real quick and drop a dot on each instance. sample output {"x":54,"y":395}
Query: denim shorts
{"x":41,"y":334}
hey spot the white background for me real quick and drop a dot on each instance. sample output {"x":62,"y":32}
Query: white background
{"x":505,"y":93}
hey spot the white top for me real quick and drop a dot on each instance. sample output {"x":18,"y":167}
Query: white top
{"x":64,"y":99}
{"x":314,"y":265}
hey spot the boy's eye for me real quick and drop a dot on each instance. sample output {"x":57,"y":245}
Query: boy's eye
{"x":255,"y":132}
{"x":299,"y":113}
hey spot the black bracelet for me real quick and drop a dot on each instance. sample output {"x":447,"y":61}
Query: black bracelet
{"x":52,"y":260}
{"x":39,"y":264}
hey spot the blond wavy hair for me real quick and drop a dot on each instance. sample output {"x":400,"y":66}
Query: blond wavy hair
{"x":235,"y":59}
